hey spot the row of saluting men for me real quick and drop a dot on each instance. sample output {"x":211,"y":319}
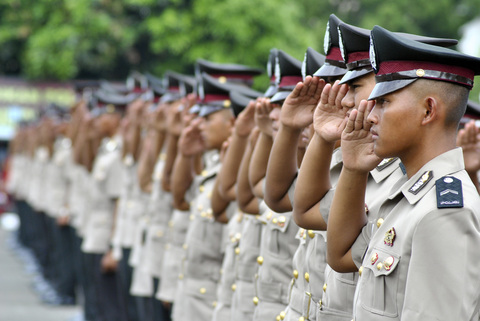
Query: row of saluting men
{"x":199,"y":198}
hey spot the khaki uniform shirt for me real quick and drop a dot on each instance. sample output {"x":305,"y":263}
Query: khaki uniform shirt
{"x":339,"y":288}
{"x":422,"y":262}
{"x":105,"y":189}
{"x":58,"y":183}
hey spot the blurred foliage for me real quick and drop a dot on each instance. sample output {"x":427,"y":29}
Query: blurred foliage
{"x":65,"y":39}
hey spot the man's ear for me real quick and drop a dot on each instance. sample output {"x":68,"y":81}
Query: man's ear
{"x":431,"y":109}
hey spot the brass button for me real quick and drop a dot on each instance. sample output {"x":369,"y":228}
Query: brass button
{"x":204,"y":173}
{"x":360,"y":270}
{"x":295,"y":274}
{"x":269,"y":215}
{"x":203,"y":290}
{"x":238,"y":236}
{"x":200,"y":207}
{"x":379,"y":222}
{"x":307,"y":277}
{"x":420,"y":72}
{"x":320,"y":303}
{"x":278,"y":318}
{"x":282,"y":315}
{"x":260,"y":260}
{"x":325,"y":287}
{"x":311,"y":234}
{"x":214,"y":304}
{"x":379,"y":266}
{"x":255,"y":300}
{"x":274,"y":220}
{"x":201,"y":188}
{"x":203,"y":214}
{"x":185,"y":246}
{"x":180,"y":276}
{"x":209,"y":195}
{"x":234,"y":287}
{"x":237,"y":250}
{"x":301,"y":319}
{"x":192,"y":217}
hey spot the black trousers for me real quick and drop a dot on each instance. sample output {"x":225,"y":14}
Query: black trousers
{"x":64,"y":260}
{"x":108,"y":306}
{"x":84,"y":277}
{"x":124,"y":280}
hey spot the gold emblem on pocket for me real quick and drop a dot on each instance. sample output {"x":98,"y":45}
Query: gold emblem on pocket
{"x":390,"y":237}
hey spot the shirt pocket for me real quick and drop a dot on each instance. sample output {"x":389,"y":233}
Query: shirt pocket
{"x":379,"y":282}
{"x":280,"y":236}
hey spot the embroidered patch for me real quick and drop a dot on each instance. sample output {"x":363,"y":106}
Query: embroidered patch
{"x":385,"y":163}
{"x":449,"y":192}
{"x":421,"y":182}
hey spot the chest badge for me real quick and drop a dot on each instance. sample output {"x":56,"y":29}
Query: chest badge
{"x":390,"y":236}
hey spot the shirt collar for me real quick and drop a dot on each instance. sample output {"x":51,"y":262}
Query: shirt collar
{"x":419,"y":184}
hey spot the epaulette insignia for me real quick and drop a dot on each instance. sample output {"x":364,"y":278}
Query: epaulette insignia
{"x":385,"y":163}
{"x":449,"y":192}
{"x":421,"y":182}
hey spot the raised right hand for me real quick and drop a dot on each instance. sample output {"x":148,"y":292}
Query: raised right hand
{"x":330,"y":116}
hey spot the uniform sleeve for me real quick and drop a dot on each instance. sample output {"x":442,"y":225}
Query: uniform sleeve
{"x":443,"y":275}
{"x":359,"y":248}
{"x":291,"y":190}
{"x":114,"y":179}
{"x":326,"y":203}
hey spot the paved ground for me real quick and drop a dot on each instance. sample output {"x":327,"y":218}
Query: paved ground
{"x":18,"y":301}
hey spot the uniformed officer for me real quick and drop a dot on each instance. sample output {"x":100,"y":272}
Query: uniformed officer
{"x":104,"y":188}
{"x":244,"y":299}
{"x":426,"y":215}
{"x":278,"y":242}
{"x":223,"y":196}
{"x":282,"y":170}
{"x":204,"y":250}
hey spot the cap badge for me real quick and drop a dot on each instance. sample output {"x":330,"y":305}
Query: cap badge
{"x":342,"y":46}
{"x":373,"y":60}
{"x":278,"y":74}
{"x":327,"y":41}
{"x":390,"y":236}
{"x":304,"y":66}
{"x":227,"y":103}
{"x":421,"y":182}
{"x":222,"y":79}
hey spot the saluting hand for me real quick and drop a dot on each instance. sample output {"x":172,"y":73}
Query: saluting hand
{"x":357,"y":142}
{"x":329,"y":118}
{"x":299,"y":106}
{"x":245,"y":120}
{"x":469,"y":139}
{"x":191,"y":142}
{"x":262,"y":118}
